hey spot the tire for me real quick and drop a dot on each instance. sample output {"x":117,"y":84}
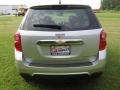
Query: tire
{"x":26,"y":76}
{"x":96,"y":75}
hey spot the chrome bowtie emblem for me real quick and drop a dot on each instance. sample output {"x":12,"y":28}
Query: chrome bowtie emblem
{"x":60,"y":38}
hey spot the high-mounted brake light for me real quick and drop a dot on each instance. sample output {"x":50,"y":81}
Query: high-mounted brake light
{"x":17,"y":42}
{"x":103,"y":42}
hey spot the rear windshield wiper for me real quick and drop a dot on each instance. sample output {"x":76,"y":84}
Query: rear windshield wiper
{"x":47,"y":26}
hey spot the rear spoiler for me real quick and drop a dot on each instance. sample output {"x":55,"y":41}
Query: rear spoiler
{"x":60,"y":7}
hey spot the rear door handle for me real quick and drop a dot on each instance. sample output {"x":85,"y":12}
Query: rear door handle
{"x":45,"y":42}
{"x":75,"y":41}
{"x":69,"y":41}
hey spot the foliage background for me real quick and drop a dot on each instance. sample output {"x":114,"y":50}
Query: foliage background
{"x":111,"y":4}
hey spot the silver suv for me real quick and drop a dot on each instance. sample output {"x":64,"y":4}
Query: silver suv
{"x":60,"y":40}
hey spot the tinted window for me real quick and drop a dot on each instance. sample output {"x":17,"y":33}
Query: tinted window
{"x":65,"y":19}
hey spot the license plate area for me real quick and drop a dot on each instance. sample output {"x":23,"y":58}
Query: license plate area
{"x":60,"y":50}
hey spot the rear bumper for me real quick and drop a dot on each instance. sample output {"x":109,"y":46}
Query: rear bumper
{"x":97,"y":66}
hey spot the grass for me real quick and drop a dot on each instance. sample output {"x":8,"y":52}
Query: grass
{"x":110,"y":80}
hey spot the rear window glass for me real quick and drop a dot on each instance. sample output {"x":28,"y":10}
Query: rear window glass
{"x":61,"y":19}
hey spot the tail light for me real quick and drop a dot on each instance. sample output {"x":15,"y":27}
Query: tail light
{"x":17,"y":42}
{"x":103,"y":43}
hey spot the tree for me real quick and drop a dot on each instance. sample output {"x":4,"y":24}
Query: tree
{"x":111,"y":4}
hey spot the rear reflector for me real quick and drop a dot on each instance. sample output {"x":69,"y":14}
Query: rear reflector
{"x":17,"y":42}
{"x":103,"y":43}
